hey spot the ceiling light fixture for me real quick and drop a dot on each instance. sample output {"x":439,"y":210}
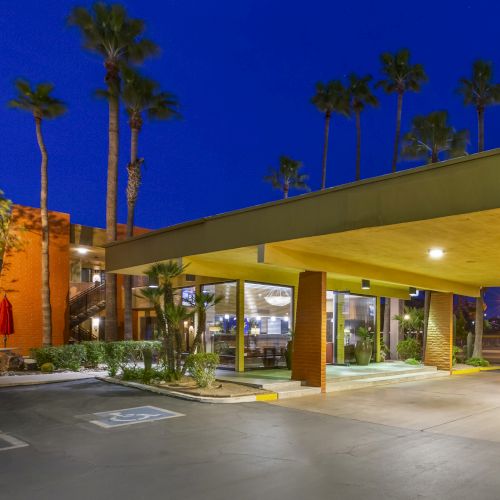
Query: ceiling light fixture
{"x":413,"y":291}
{"x":278,"y":297}
{"x":365,"y":284}
{"x":82,"y":251}
{"x":436,"y":253}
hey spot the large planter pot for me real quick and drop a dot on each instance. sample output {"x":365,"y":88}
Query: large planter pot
{"x":363,"y":352}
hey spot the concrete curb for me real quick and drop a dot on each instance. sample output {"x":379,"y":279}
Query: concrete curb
{"x":21,"y":383}
{"x":189,"y":397}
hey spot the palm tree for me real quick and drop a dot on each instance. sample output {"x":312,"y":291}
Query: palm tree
{"x":330,"y":98}
{"x":161,"y":294}
{"x":117,"y":38}
{"x":360,"y":94}
{"x":201,"y":303}
{"x":287,"y":176}
{"x":141,"y":96}
{"x":431,"y":135}
{"x":480,"y":92}
{"x":401,"y":76}
{"x":39,"y":102}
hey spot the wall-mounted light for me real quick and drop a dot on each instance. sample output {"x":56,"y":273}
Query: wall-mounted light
{"x":82,"y":250}
{"x":365,"y":284}
{"x":153,"y":282}
{"x":435,"y":253}
{"x":413,"y":291}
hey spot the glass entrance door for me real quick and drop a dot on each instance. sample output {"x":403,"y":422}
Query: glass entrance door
{"x":346,"y":313}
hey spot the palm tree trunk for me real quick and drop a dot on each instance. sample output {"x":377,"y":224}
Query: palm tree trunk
{"x":111,"y":332}
{"x":325,"y":149}
{"x":46,"y":309}
{"x":286,"y":188}
{"x":478,"y":326}
{"x":358,"y":145}
{"x":480,"y":129}
{"x":398,"y":131}
{"x":128,"y":333}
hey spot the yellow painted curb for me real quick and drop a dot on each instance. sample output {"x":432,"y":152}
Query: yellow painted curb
{"x":465,"y":371}
{"x":266,"y":397}
{"x":488,"y":368}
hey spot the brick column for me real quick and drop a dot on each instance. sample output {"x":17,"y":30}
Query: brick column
{"x":309,"y":341}
{"x":240,"y":330}
{"x":439,"y":344}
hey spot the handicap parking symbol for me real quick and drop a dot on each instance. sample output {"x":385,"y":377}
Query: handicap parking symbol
{"x":130,"y":416}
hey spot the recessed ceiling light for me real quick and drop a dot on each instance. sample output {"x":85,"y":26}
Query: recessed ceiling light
{"x":436,"y":253}
{"x":82,"y":251}
{"x":365,"y":284}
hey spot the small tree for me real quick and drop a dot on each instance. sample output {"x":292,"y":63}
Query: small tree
{"x":201,"y":303}
{"x":287,"y":176}
{"x":8,"y":238}
{"x":169,"y":315}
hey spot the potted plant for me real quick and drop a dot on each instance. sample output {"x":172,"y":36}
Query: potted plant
{"x":289,"y":351}
{"x":364,"y":346}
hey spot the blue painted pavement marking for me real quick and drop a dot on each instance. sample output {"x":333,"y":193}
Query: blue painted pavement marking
{"x":129,"y":416}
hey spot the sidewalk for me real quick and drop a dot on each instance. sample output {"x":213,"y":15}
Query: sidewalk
{"x":46,"y":378}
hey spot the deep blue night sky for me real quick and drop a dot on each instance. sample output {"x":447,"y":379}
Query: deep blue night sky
{"x":244,"y":72}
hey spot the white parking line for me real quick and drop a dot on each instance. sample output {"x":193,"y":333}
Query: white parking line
{"x":10,"y":443}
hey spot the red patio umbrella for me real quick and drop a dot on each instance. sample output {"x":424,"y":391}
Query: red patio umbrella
{"x":6,"y":319}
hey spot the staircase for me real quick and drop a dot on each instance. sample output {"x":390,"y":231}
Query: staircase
{"x":85,"y":305}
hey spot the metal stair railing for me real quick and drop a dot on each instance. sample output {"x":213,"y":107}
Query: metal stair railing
{"x":81,"y":305}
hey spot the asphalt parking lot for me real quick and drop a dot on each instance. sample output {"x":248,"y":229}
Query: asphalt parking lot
{"x":245,"y":451}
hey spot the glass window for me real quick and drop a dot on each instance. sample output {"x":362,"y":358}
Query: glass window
{"x":221,"y":327}
{"x":268,"y":321}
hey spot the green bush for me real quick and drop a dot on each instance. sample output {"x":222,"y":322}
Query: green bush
{"x":94,"y":353}
{"x":70,"y":357}
{"x":412,"y":361}
{"x":202,"y":367}
{"x":64,"y":357}
{"x":114,"y":356}
{"x":44,"y":355}
{"x":144,"y":375}
{"x":47,"y":367}
{"x":456,"y":350}
{"x":477,"y":362}
{"x":409,"y":348}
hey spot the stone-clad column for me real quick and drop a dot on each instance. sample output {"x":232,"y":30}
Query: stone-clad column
{"x":309,"y":341}
{"x":439,"y":344}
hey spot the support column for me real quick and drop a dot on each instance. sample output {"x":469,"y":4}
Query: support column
{"x":240,"y":331}
{"x":378,"y":318}
{"x":439,"y":345}
{"x":309,"y":341}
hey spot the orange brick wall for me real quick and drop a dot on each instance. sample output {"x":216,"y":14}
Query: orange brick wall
{"x":439,"y":344}
{"x":309,"y":341}
{"x":21,"y":277}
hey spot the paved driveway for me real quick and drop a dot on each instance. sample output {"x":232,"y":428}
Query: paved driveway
{"x":248,"y":451}
{"x":461,"y":405}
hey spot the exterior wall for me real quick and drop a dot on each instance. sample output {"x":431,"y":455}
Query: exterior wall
{"x":309,"y":342}
{"x":21,"y":277}
{"x":439,"y":343}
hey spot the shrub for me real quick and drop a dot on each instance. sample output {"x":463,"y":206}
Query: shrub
{"x":47,"y":367}
{"x":114,"y":355}
{"x":70,"y":357}
{"x":44,"y":355}
{"x":477,"y":362}
{"x":456,"y":350}
{"x":412,"y":361}
{"x":409,"y":348}
{"x":94,"y":353}
{"x":202,"y":367}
